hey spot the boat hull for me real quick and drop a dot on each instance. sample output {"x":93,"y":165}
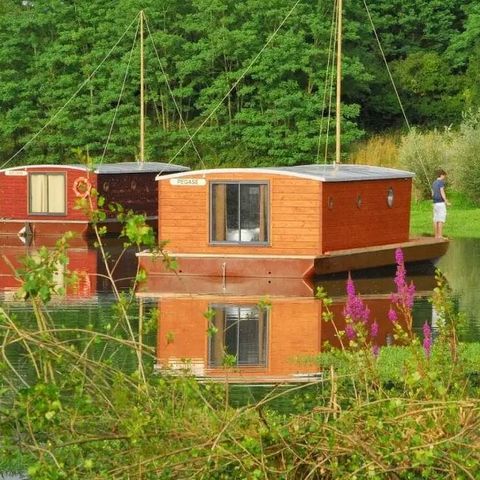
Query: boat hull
{"x":277,"y":266}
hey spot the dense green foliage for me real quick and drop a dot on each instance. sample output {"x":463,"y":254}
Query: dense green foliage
{"x":456,"y":151}
{"x":197,"y":51}
{"x":404,"y":412}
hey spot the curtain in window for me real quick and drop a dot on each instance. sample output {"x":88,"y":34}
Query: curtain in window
{"x":239,"y":212}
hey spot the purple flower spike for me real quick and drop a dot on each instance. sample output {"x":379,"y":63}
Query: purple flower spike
{"x":399,"y":256}
{"x":355,"y":309}
{"x":374,"y":329}
{"x":375,"y":350}
{"x":350,"y":331}
{"x":392,"y":315}
{"x":427,"y":339}
{"x":350,"y":287}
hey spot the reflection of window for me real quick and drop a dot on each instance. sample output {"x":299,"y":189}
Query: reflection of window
{"x":239,"y":213}
{"x":240,"y":331}
{"x":47,"y":193}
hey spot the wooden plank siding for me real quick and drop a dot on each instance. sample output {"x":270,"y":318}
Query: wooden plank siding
{"x":14,"y":194}
{"x":373,"y":223}
{"x":183,"y":320}
{"x":293,"y":208}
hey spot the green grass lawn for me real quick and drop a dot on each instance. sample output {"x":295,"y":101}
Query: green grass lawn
{"x":463,"y":218}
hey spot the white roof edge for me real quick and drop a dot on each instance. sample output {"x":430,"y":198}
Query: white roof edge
{"x":277,"y":171}
{"x":239,"y":170}
{"x":46,"y":165}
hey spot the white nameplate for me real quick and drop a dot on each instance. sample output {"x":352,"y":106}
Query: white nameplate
{"x":15,"y":173}
{"x":190,"y":182}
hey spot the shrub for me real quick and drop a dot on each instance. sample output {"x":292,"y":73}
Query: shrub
{"x":424,"y":154}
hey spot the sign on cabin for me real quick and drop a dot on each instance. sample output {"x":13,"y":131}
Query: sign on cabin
{"x":192,"y":182}
{"x":15,"y":173}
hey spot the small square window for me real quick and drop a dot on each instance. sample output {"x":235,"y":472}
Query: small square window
{"x":239,"y":213}
{"x":47,"y":193}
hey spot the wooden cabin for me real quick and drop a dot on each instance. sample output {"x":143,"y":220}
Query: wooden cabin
{"x":268,"y":344}
{"x":287,"y":221}
{"x":41,"y":199}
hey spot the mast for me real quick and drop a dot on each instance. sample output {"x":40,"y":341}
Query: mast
{"x":142,"y":94}
{"x":339,"y":83}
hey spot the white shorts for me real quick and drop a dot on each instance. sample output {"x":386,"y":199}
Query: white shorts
{"x":439,"y":212}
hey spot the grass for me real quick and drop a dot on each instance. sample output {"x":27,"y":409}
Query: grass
{"x":463,"y":218}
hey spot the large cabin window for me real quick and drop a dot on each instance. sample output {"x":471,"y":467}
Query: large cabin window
{"x":241,"y":331}
{"x":239,"y":213}
{"x":47,"y":193}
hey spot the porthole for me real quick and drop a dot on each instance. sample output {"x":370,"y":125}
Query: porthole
{"x":106,"y":186}
{"x":390,"y":197}
{"x":359,"y":201}
{"x":330,"y":203}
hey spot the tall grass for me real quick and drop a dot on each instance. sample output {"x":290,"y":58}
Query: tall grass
{"x":379,"y":150}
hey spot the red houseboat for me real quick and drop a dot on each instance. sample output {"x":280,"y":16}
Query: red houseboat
{"x":40,"y":199}
{"x":288,"y":222}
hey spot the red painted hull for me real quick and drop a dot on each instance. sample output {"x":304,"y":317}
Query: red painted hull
{"x":229,"y":266}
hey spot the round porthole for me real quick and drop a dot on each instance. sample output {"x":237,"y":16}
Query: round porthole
{"x":330,"y":203}
{"x":390,"y":196}
{"x":105,"y":186}
{"x":359,"y":201}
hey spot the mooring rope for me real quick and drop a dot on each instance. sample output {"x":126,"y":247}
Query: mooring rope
{"x":393,"y":84}
{"x":249,"y":66}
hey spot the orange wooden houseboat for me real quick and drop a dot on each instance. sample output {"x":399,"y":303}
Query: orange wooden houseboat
{"x":268,"y":345}
{"x":40,"y":200}
{"x":288,"y":222}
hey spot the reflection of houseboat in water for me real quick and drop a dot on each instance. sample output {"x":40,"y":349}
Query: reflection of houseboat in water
{"x":84,"y":260}
{"x":267,"y":335}
{"x":41,"y":200}
{"x":288,"y":222}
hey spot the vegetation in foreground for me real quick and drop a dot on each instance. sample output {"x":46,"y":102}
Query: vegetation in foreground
{"x":407,"y":411}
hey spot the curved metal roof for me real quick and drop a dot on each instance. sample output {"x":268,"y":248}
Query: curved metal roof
{"x":137,"y":167}
{"x":320,"y":173}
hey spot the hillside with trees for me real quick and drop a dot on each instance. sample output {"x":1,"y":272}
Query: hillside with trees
{"x":69,"y":77}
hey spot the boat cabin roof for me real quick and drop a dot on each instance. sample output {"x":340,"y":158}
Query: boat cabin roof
{"x":318,"y":172}
{"x":137,"y":167}
{"x":159,"y":168}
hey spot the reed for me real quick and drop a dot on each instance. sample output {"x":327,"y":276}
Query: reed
{"x":410,"y":411}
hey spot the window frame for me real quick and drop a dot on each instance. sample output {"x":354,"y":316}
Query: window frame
{"x":265,"y":183}
{"x":263,"y":315}
{"x":30,"y":193}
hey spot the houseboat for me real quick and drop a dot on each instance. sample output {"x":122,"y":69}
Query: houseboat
{"x":41,"y":200}
{"x":89,"y":273}
{"x":268,"y":342}
{"x":287,"y":222}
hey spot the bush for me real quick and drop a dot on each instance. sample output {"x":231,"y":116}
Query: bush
{"x":424,"y":154}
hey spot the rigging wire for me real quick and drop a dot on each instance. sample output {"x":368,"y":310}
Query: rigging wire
{"x":182,"y":121}
{"x":325,"y":89}
{"x":121,"y":92}
{"x":57,"y":113}
{"x":249,"y":66}
{"x":393,"y":83}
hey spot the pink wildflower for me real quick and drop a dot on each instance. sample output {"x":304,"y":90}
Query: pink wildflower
{"x":374,"y":329}
{"x":375,"y":350}
{"x":427,"y":339}
{"x":392,"y":315}
{"x":350,"y":331}
{"x":355,"y":309}
{"x":405,"y":293}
